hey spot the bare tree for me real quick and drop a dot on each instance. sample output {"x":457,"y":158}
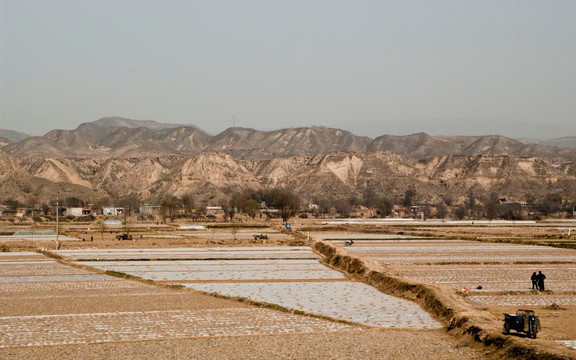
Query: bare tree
{"x":74,"y":201}
{"x":168,"y":207}
{"x":248,"y":202}
{"x":343,"y":207}
{"x":101,"y":226}
{"x":491,"y":206}
{"x":471,"y":203}
{"x":384,"y":207}
{"x":460,"y":212}
{"x":287,"y":203}
{"x":441,"y":210}
{"x":229,"y":208}
{"x":188,"y":203}
{"x":130,"y":203}
{"x":409,"y":197}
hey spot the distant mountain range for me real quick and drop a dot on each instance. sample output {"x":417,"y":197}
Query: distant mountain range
{"x":455,"y":127}
{"x":120,"y":137}
{"x":8,"y":136}
{"x":113,"y":157}
{"x":566,"y":141}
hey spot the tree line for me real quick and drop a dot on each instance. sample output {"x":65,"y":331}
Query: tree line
{"x":279,"y":202}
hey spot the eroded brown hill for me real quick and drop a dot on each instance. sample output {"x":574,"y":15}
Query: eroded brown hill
{"x":115,"y":157}
{"x":117,"y":137}
{"x":18,"y":183}
{"x":335,"y":175}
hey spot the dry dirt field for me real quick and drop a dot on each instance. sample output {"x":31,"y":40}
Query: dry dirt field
{"x":291,"y":277}
{"x":499,"y":259}
{"x":52,"y":310}
{"x":62,"y":309}
{"x":503,"y":276}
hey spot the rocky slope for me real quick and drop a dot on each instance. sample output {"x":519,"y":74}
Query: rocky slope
{"x":117,"y":137}
{"x":115,"y":157}
{"x":335,"y":175}
{"x":17,"y":183}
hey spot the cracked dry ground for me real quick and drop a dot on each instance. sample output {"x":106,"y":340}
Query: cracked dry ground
{"x":49,"y":310}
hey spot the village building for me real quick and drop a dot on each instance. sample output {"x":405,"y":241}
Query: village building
{"x":112,"y":211}
{"x":153,"y":210}
{"x":77,"y":211}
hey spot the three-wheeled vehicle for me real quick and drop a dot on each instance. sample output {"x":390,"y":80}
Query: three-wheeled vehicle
{"x":524,"y":321}
{"x":124,"y":236}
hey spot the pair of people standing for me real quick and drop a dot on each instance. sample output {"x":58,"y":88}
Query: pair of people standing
{"x":538,"y":281}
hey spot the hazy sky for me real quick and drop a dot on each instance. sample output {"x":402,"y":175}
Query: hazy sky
{"x":455,"y":67}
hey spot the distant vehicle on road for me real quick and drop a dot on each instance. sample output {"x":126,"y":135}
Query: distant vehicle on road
{"x":124,"y":236}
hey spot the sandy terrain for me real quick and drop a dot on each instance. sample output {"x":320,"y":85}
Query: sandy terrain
{"x":64,"y":317}
{"x":301,"y":285}
{"x":79,"y":301}
{"x":503,"y":270}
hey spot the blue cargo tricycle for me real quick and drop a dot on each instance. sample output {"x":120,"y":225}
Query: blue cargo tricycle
{"x":525,"y":321}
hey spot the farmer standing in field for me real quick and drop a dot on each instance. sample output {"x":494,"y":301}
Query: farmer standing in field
{"x":541,"y":278}
{"x":534,"y":279}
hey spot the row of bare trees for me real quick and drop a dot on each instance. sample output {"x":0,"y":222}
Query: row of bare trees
{"x":249,"y":202}
{"x":285,"y":204}
{"x":252,"y":203}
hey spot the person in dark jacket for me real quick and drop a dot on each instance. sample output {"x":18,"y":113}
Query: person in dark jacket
{"x":541,"y":278}
{"x":534,"y":279}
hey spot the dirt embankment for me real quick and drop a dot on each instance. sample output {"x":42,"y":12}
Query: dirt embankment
{"x":462,"y":320}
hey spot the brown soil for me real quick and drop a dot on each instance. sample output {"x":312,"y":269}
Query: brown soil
{"x":556,"y":324}
{"x":361,"y":344}
{"x":481,"y":324}
{"x":368,"y":345}
{"x":554,"y":307}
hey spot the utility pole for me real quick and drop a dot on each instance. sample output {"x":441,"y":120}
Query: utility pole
{"x":57,"y":224}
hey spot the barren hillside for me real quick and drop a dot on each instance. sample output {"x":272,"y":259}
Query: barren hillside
{"x":335,"y":175}
{"x":115,"y":157}
{"x":118,"y":137}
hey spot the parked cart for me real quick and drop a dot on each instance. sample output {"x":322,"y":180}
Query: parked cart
{"x":525,"y":321}
{"x":124,"y":236}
